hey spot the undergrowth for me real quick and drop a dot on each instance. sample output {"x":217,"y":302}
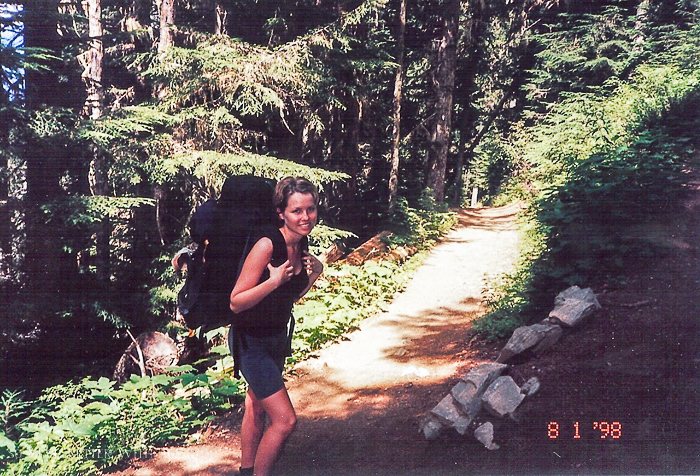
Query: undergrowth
{"x":82,"y":428}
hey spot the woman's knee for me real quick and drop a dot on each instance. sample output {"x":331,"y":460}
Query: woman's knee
{"x":254,"y":408}
{"x":290,"y":422}
{"x":281,"y":412}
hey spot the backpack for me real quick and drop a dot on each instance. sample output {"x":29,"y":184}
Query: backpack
{"x":224,"y":229}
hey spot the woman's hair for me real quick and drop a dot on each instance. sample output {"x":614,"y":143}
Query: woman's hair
{"x":289,"y":185}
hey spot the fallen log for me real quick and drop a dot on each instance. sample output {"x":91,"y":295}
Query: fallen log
{"x":333,"y":253}
{"x":372,"y":248}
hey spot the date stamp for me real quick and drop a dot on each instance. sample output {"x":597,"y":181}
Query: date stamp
{"x":577,"y":430}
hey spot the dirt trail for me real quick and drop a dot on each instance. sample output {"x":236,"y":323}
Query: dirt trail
{"x":359,"y":402}
{"x":398,"y":360}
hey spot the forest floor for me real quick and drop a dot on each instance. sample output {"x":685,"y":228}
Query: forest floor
{"x":636,"y":362}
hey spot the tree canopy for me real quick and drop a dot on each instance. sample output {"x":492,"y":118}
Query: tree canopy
{"x":118,"y":117}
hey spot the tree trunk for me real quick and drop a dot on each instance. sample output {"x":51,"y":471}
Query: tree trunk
{"x":94,"y":105}
{"x":471,"y":36}
{"x":93,"y":57}
{"x":398,"y":87}
{"x":443,"y":79}
{"x":221,"y":18}
{"x":167,"y":23}
{"x":138,"y":15}
{"x":36,"y":179}
{"x":640,"y":24}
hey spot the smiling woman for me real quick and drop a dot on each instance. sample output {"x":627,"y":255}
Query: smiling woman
{"x":276,"y":273}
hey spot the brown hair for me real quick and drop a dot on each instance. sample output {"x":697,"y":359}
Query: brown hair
{"x":289,"y":185}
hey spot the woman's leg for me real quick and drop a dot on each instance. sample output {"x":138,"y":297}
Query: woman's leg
{"x":283,"y":419}
{"x":252,"y":428}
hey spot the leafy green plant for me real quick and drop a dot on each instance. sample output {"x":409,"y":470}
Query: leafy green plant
{"x":423,"y":225}
{"x":342,"y":297}
{"x":81,"y":428}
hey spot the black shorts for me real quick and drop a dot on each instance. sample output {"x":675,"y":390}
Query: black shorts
{"x":261,"y":360}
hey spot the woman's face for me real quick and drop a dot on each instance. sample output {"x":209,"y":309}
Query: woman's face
{"x":301,"y":213}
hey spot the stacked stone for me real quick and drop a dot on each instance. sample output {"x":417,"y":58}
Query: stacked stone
{"x":485,"y":391}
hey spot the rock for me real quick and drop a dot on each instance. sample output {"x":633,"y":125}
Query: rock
{"x":530,"y":387}
{"x":482,"y":375}
{"x":502,"y":397}
{"x":485,"y":435}
{"x":573,"y":305}
{"x":468,"y":396}
{"x":157,"y":352}
{"x":552,"y":334}
{"x":577,"y":294}
{"x":537,"y":338}
{"x":447,"y":411}
{"x":431,"y":427}
{"x":462,"y":425}
{"x":450,"y":415}
{"x":467,"y":393}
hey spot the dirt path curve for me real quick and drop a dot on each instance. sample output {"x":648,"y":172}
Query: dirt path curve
{"x":359,"y":401}
{"x":634,"y":367}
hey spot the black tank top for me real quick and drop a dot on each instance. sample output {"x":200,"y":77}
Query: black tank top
{"x":272,"y":313}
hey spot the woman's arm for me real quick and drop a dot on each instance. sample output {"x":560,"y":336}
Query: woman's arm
{"x":247,"y":292}
{"x":314,"y":268}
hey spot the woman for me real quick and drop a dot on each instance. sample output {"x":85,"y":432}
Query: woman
{"x":263,"y":297}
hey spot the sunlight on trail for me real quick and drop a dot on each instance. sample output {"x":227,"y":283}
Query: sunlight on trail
{"x":405,"y":345}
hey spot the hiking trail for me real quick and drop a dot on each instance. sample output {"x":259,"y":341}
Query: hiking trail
{"x":359,"y":401}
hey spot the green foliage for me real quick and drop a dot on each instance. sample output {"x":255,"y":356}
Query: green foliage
{"x":597,"y":163}
{"x":509,"y":298}
{"x":125,"y":125}
{"x":421,"y":226}
{"x":495,"y":162}
{"x":341,"y":298}
{"x":323,"y":236}
{"x":207,"y":170}
{"x":581,"y":52}
{"x":82,"y":428}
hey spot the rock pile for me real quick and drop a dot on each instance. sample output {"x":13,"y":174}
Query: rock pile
{"x":484,"y":396}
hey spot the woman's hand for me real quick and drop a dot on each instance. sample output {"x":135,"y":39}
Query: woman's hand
{"x":312,"y":264}
{"x":281,"y":274}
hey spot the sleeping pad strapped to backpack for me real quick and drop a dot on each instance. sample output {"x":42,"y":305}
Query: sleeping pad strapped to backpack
{"x":224,"y":230}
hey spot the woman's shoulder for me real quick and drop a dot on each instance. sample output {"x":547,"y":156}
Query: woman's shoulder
{"x":263,"y":246}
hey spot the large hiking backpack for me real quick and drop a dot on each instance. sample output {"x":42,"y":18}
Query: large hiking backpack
{"x":224,"y":230}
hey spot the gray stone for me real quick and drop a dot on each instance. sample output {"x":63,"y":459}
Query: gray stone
{"x":530,"y":387}
{"x":468,"y":396}
{"x":448,"y":411}
{"x":522,"y":339}
{"x":572,"y":313}
{"x":537,"y":338}
{"x":551,"y":335}
{"x":502,"y":397}
{"x":485,"y":435}
{"x":431,"y":427}
{"x":573,"y":305}
{"x":462,"y":424}
{"x":577,"y":294}
{"x":482,"y":375}
{"x":467,"y":393}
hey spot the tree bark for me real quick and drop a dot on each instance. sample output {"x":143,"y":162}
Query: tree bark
{"x":94,"y":106}
{"x":138,"y":15}
{"x":221,"y":18}
{"x":640,"y":24}
{"x":92,"y":74}
{"x":167,"y":22}
{"x":443,"y":78}
{"x":398,"y":87}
